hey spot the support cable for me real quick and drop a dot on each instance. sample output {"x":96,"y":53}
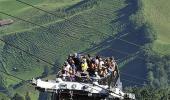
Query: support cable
{"x":87,"y":26}
{"x":48,"y":31}
{"x":119,"y":38}
{"x":129,"y":81}
{"x":33,"y":56}
{"x":41,"y":26}
{"x":46,"y":27}
{"x":75,"y":23}
{"x":129,"y":75}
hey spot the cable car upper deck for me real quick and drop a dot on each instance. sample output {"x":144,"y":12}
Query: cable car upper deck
{"x":84,"y":68}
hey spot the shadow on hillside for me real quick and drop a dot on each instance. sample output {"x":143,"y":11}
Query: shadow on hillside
{"x":134,"y":73}
{"x":115,"y":48}
{"x":124,"y":15}
{"x":83,"y":5}
{"x":79,"y":4}
{"x":120,"y":49}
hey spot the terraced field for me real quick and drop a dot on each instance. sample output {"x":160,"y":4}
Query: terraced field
{"x":59,"y":38}
{"x":85,"y":26}
{"x":2,"y":96}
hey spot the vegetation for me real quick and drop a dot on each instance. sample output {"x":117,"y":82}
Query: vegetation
{"x":27,"y":97}
{"x":3,"y":97}
{"x":149,"y":93}
{"x":17,"y":97}
{"x":156,"y":13}
{"x":86,"y":26}
{"x":2,"y":81}
{"x":158,"y":69}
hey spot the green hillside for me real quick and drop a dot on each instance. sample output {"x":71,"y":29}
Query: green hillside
{"x":156,"y":12}
{"x":3,"y":97}
{"x":83,"y":26}
{"x":61,"y":38}
{"x":28,"y":13}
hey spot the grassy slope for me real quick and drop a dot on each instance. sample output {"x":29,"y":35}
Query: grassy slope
{"x":22,"y":90}
{"x":3,"y":97}
{"x":17,"y":8}
{"x":23,"y":10}
{"x":109,"y":17}
{"x":156,"y":12}
{"x":53,"y":45}
{"x":28,"y":13}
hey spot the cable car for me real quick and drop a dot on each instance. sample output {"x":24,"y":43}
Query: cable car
{"x":86,"y":78}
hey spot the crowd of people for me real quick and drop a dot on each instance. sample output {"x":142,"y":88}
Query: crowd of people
{"x":89,"y":66}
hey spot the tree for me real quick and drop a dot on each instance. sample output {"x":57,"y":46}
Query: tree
{"x":2,"y":81}
{"x":17,"y":97}
{"x":46,"y":71}
{"x":150,"y":93}
{"x":10,"y":91}
{"x":27,"y":97}
{"x":150,"y":77}
{"x":149,"y":33}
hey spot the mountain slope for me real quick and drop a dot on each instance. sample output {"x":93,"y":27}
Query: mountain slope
{"x":57,"y":43}
{"x":156,"y":12}
{"x":86,"y":26}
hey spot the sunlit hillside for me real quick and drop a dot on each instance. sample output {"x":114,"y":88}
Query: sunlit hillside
{"x":39,"y":40}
